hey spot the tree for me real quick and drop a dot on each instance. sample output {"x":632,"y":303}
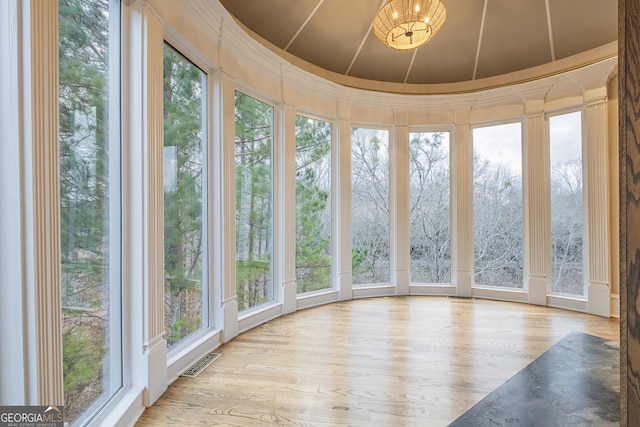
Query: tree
{"x":183,"y":85}
{"x":370,"y":206}
{"x":84,"y":152}
{"x":313,"y":213}
{"x":254,"y":215}
{"x":497,"y":224}
{"x":429,"y":214}
{"x":567,"y":227}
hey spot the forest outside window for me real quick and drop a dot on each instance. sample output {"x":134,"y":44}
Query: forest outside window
{"x":370,"y":252}
{"x":497,"y":206}
{"x":90,"y":204}
{"x":313,"y":204}
{"x":184,"y":181}
{"x":430,"y":207}
{"x":254,"y":201}
{"x":565,"y":143}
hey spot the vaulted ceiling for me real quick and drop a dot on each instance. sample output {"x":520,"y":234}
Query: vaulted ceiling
{"x":479,"y":39}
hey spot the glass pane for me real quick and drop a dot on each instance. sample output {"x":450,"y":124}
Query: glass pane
{"x":313,"y":204}
{"x":89,"y":206}
{"x":430,"y":210}
{"x":497,"y":205}
{"x":370,"y":206}
{"x":254,"y":211}
{"x":184,"y":236}
{"x":565,"y":134}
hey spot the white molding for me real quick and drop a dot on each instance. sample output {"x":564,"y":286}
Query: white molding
{"x":538,"y":286}
{"x":433,"y":289}
{"x":615,"y":306}
{"x":599,"y":299}
{"x":190,"y":352}
{"x":258,"y":315}
{"x":374,"y":291}
{"x":514,"y":295}
{"x":317,"y":298}
{"x":567,"y":303}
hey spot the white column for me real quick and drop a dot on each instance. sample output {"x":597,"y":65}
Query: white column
{"x":288,"y":217}
{"x":143,"y":248}
{"x":31,"y":362}
{"x":463,"y":198}
{"x":399,"y":157}
{"x":538,"y":179}
{"x":342,"y":211}
{"x":596,"y":186}
{"x":229,"y":294}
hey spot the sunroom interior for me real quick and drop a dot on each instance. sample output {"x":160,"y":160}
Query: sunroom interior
{"x":179,"y":173}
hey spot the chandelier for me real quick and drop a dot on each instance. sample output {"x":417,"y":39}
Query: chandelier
{"x":408,"y":24}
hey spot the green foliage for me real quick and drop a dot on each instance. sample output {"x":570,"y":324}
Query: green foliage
{"x":313,"y":213}
{"x":82,"y":360}
{"x":183,"y":85}
{"x":254,"y":211}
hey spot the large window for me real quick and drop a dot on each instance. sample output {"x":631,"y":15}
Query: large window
{"x":185,"y":275}
{"x":90,"y":207}
{"x":565,"y":134}
{"x":370,"y":206}
{"x":313,"y":204}
{"x":254,"y":205}
{"x":497,"y":205}
{"x":429,"y":210}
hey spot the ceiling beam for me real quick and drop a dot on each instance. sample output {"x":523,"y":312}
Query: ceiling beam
{"x":484,"y":15}
{"x":304,"y":24}
{"x":551,"y":42}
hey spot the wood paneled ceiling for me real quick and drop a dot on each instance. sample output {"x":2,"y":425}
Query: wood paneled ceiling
{"x":479,"y":39}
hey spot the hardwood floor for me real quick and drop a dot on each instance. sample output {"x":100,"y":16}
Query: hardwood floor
{"x":396,"y":361}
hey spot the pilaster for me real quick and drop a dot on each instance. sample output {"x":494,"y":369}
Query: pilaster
{"x":342,"y":211}
{"x":288,"y":217}
{"x":462,"y":181}
{"x":598,"y":287}
{"x":399,"y":154}
{"x":537,"y":144}
{"x":229,"y":294}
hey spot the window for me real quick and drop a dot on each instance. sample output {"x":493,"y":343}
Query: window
{"x":90,"y":205}
{"x":313,"y":204}
{"x":254,"y":206}
{"x":429,"y":210}
{"x":497,"y":205}
{"x":370,"y":206}
{"x":565,"y":142}
{"x":184,"y":181}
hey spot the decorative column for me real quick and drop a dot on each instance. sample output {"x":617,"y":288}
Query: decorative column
{"x":288,"y":217}
{"x":343,"y":209}
{"x":143,"y":205}
{"x":229,"y":297}
{"x":537,"y":145}
{"x":598,"y":287}
{"x":462,"y":181}
{"x":30,"y":281}
{"x":399,"y":161}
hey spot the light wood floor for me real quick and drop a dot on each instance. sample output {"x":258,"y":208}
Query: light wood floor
{"x":398,"y":361}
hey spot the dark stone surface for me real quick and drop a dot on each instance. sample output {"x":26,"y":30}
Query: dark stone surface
{"x":574,"y":383}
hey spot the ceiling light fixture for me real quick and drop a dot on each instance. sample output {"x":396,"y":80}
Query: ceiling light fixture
{"x":408,"y":24}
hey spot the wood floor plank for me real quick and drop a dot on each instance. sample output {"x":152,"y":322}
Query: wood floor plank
{"x":401,"y":361}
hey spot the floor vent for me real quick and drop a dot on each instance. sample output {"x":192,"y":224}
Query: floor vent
{"x":200,"y":365}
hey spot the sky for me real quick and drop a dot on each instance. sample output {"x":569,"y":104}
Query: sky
{"x":503,"y":143}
